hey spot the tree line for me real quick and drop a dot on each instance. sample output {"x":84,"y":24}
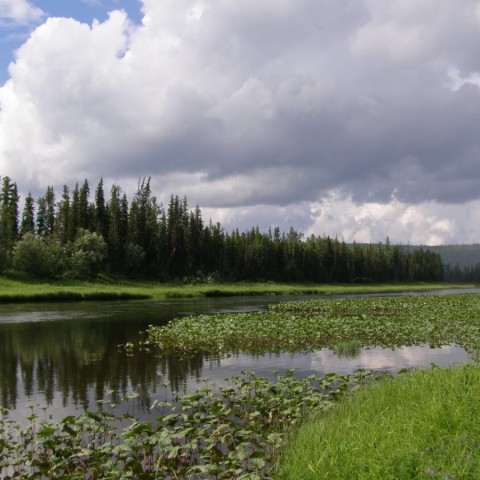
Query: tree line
{"x":82,"y":233}
{"x":462,"y":274}
{"x":462,"y":262}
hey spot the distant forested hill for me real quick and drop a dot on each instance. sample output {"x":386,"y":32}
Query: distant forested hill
{"x":463,"y":255}
{"x":461,"y":262}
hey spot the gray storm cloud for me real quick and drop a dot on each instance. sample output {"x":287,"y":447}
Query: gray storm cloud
{"x":283,"y":102}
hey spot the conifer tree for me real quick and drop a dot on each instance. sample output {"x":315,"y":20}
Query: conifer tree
{"x":28,"y":216}
{"x":177,"y":219}
{"x":75,"y":208}
{"x":101,"y":215}
{"x":194,"y":243}
{"x":46,"y":213}
{"x":63,"y":224}
{"x":117,"y":210}
{"x":8,"y":219}
{"x":41,"y":220}
{"x":84,"y":217}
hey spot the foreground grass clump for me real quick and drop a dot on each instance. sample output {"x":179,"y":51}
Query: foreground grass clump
{"x":348,"y":349}
{"x":229,"y":432}
{"x":422,"y":425}
{"x":296,"y":326}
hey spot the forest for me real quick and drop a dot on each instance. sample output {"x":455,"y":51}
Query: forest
{"x":81,"y":233}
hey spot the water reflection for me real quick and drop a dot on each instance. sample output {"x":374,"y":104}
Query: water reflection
{"x":67,"y":358}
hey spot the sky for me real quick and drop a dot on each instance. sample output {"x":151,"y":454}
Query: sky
{"x":356,"y":118}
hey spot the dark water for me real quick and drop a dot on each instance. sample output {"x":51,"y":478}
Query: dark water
{"x":65,"y":356}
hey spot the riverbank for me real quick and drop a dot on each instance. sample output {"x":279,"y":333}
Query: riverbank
{"x":424,"y":424}
{"x":14,"y":290}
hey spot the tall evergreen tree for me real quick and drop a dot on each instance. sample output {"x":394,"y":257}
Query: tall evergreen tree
{"x":84,"y":217}
{"x":41,"y":220}
{"x":214,"y":247}
{"x":138,"y":213}
{"x":75,"y":209}
{"x":8,"y":216}
{"x":177,"y":220}
{"x":101,"y":215}
{"x":46,"y":213}
{"x":195,"y":242}
{"x":28,"y":216}
{"x":117,"y":210}
{"x":144,"y":227}
{"x":51,"y":207}
{"x":63,"y":224}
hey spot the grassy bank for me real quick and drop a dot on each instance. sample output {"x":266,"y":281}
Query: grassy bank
{"x":27,"y":290}
{"x":423,"y":425}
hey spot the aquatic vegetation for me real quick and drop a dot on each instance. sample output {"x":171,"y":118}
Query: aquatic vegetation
{"x":312,"y":324}
{"x":239,"y":430}
{"x":233,"y":431}
{"x":347,"y":349}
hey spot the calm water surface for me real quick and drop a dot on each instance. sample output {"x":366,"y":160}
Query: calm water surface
{"x":65,"y":356}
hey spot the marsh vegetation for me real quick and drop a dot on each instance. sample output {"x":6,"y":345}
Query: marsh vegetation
{"x":348,"y":349}
{"x":313,"y":324}
{"x":235,"y":431}
{"x":243,"y":427}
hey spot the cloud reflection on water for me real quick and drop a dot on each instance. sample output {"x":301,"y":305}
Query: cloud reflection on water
{"x":325,"y":360}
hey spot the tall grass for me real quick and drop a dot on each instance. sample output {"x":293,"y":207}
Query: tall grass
{"x":422,"y":425}
{"x":348,"y":349}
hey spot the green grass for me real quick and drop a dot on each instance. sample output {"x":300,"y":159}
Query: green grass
{"x":30,"y":290}
{"x":347,"y":349}
{"x":422,"y":425}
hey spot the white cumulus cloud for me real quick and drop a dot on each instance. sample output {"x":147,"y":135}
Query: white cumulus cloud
{"x":19,"y":12}
{"x":255,"y":110}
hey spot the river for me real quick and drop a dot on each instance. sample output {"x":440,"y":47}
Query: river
{"x":64,"y":358}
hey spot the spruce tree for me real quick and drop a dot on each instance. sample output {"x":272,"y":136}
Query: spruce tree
{"x":46,"y":213}
{"x":63,"y":224}
{"x":100,"y":211}
{"x":84,"y":217}
{"x":8,"y":219}
{"x":117,"y":210}
{"x":75,"y":209}
{"x":28,"y":216}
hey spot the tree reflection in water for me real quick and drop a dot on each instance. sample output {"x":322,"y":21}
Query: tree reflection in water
{"x":68,"y":358}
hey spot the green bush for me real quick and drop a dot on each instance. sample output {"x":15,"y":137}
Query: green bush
{"x":87,"y":254}
{"x":37,"y":257}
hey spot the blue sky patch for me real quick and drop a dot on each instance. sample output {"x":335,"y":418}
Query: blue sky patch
{"x":13,"y":35}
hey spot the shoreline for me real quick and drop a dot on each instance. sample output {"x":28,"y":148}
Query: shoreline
{"x":33,"y":291}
